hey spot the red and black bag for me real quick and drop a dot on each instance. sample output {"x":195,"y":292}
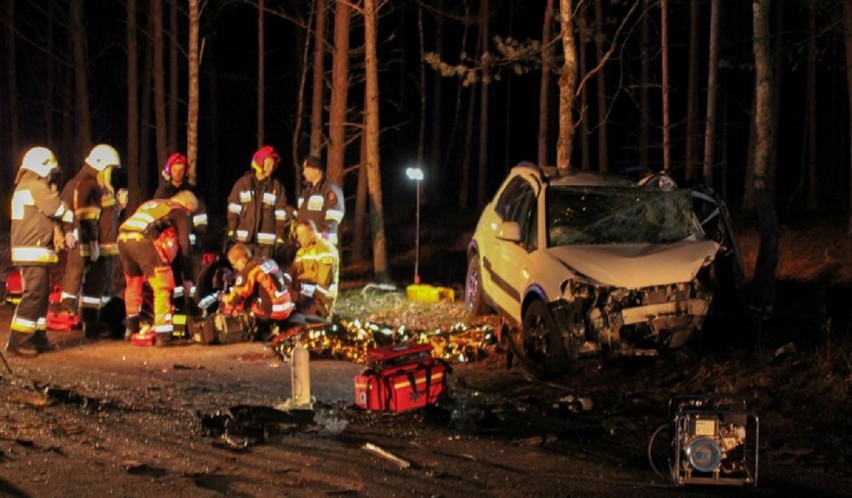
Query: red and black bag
{"x":401,"y":377}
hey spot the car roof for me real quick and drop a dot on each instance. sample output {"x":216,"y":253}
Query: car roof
{"x":557,"y":177}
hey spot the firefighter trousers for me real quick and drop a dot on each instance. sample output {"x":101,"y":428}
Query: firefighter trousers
{"x":142,"y":263}
{"x":92,"y":280}
{"x":30,"y":314}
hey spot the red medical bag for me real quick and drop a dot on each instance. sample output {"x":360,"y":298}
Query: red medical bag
{"x":401,"y":377}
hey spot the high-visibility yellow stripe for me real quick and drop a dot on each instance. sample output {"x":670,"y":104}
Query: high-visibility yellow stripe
{"x":34,"y":255}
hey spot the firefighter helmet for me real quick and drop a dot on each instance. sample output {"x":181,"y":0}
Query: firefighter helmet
{"x":186,"y":199}
{"x":260,"y":156}
{"x":39,"y":160}
{"x":175,"y":158}
{"x":103,"y":155}
{"x":167,"y":245}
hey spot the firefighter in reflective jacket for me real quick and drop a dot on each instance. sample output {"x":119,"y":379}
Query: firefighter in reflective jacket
{"x":174,"y":179}
{"x":315,"y":272}
{"x":89,"y":267}
{"x":320,"y":201}
{"x":36,"y":210}
{"x":259,"y":287}
{"x":145,"y":256}
{"x":257,"y":214}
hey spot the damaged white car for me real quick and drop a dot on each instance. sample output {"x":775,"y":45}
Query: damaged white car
{"x":584,"y":263}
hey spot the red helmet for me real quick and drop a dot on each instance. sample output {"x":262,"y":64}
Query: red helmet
{"x":261,"y":155}
{"x":175,"y":158}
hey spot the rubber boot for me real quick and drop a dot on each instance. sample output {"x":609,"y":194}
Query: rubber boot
{"x":163,"y":340}
{"x":131,"y":326}
{"x":41,"y":342}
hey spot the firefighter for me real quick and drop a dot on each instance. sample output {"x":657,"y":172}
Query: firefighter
{"x":315,"y":271}
{"x":36,"y":210}
{"x":321,"y":201}
{"x":173,"y":179}
{"x":145,"y":254}
{"x":259,"y":288}
{"x":92,"y":195}
{"x":257,"y":214}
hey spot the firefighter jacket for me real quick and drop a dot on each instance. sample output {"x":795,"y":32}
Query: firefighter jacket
{"x":199,"y":219}
{"x":260,"y":284}
{"x":323,"y":204}
{"x":256,"y":211}
{"x":153,"y":218}
{"x":96,"y":211}
{"x":36,"y":208}
{"x":316,"y":270}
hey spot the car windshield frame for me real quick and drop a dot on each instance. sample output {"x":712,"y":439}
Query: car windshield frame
{"x":593,"y":215}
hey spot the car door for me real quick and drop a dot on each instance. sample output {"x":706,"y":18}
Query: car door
{"x":515,"y":254}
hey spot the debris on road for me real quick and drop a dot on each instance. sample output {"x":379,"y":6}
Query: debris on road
{"x":387,"y":455}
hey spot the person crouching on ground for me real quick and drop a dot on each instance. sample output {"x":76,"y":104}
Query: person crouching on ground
{"x":315,"y":272}
{"x":145,"y":257}
{"x":259,"y":288}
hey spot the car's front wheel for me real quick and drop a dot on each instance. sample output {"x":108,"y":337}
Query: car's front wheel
{"x":541,"y":350}
{"x":473,"y":294}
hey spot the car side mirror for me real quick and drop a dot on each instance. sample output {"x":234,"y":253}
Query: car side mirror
{"x":509,"y":230}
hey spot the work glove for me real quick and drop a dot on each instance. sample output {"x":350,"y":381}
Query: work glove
{"x":121,"y":198}
{"x":94,"y":251}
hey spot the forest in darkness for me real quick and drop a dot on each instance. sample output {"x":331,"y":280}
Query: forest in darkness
{"x":428,"y":117}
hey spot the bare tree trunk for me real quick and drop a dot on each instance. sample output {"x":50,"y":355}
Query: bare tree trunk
{"x":603,"y":147}
{"x":359,"y":241}
{"x":374,"y":179}
{"x":690,"y":168}
{"x":174,"y":72}
{"x":49,"y":83}
{"x":339,"y":92}
{"x":585,"y":146}
{"x":764,"y":171}
{"x":712,"y":88}
{"x":81,"y":80}
{"x":544,"y":93}
{"x":847,"y":24}
{"x":295,"y":139}
{"x":13,"y":156}
{"x":318,"y":87}
{"x":159,"y":81}
{"x":194,"y":64}
{"x":437,"y":116}
{"x":484,"y":128}
{"x":644,"y":97}
{"x":811,"y":106}
{"x":748,"y":187}
{"x":567,"y":82}
{"x":261,"y":75}
{"x":664,"y":45}
{"x":215,"y":189}
{"x":451,"y":141}
{"x":145,"y":122}
{"x":464,"y":182}
{"x":131,"y":161}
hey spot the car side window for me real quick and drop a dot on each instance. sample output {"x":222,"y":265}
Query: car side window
{"x":522,"y":211}
{"x":508,"y":198}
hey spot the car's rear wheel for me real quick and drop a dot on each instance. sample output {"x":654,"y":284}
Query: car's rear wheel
{"x":473,"y":294}
{"x":541,"y":350}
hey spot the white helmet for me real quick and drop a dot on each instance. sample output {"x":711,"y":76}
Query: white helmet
{"x":103,"y":155}
{"x":186,"y":199}
{"x":39,"y":160}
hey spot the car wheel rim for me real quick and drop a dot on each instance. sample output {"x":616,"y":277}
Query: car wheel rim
{"x":472,"y":288}
{"x":535,"y":339}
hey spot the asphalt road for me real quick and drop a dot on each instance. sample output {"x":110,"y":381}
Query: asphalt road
{"x":102,"y":418}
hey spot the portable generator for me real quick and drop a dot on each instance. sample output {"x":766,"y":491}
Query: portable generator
{"x":715,"y":440}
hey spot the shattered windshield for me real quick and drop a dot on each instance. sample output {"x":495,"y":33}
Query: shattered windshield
{"x":617,"y":215}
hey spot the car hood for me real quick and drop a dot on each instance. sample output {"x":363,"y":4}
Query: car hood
{"x":633,"y":266}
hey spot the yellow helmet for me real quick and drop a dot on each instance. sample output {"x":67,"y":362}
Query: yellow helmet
{"x":39,"y":160}
{"x":103,"y":155}
{"x":186,"y":199}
